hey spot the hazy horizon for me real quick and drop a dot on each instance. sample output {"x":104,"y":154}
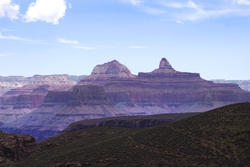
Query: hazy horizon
{"x":71,"y":37}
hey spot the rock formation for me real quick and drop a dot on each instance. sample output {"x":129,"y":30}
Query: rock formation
{"x":110,"y":71}
{"x":15,"y":147}
{"x":111,"y":90}
{"x":13,"y":82}
{"x":23,"y":95}
{"x":167,"y":90}
{"x":61,"y":108}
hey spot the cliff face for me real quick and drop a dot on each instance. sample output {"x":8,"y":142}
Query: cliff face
{"x":175,"y":91}
{"x":24,"y":95}
{"x":111,"y":90}
{"x":13,"y":82}
{"x":61,"y":108}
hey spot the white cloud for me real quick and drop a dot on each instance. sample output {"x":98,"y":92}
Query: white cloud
{"x":243,"y":2}
{"x":64,"y":41}
{"x":137,"y":47}
{"x":12,"y":37}
{"x":50,"y":11}
{"x":9,"y":9}
{"x":85,"y":47}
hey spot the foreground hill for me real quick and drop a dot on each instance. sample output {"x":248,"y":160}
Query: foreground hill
{"x":15,"y":147}
{"x":219,"y":137}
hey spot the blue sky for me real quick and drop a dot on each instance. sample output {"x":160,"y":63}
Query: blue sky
{"x":211,"y":37}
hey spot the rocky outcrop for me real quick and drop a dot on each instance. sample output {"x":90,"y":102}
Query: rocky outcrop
{"x":110,"y":71}
{"x":15,"y":147}
{"x":164,"y":67}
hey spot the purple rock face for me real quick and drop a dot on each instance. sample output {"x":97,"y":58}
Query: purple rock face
{"x":110,"y":70}
{"x":165,"y":86}
{"x":111,"y":90}
{"x":165,"y":66}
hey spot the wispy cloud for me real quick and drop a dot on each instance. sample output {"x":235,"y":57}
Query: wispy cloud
{"x":192,"y":10}
{"x":75,"y":44}
{"x":133,"y":2}
{"x":3,"y":55}
{"x":12,"y":37}
{"x":137,"y":47}
{"x":65,"y":41}
{"x":85,"y":47}
{"x":153,"y":10}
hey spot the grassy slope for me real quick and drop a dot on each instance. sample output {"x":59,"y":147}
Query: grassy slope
{"x":216,"y":138}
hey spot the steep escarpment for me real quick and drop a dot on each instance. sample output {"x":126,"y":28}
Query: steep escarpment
{"x":61,"y":108}
{"x":166,"y":89}
{"x":20,"y":101}
{"x":24,"y":95}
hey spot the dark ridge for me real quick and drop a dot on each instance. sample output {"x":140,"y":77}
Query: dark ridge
{"x":219,"y":137}
{"x":128,"y":121}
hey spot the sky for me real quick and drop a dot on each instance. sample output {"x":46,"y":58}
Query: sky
{"x":210,"y":37}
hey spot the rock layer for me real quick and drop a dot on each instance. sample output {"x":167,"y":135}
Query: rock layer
{"x":111,"y":90}
{"x":171,"y":90}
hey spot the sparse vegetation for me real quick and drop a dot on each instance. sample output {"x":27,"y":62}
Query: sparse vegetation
{"x":216,"y":138}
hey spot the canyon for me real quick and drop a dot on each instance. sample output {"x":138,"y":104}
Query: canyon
{"x":111,"y":90}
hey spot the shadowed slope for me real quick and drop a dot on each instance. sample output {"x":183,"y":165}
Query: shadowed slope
{"x":216,"y":138}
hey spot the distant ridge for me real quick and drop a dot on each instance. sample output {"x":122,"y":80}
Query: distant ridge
{"x":244,"y":84}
